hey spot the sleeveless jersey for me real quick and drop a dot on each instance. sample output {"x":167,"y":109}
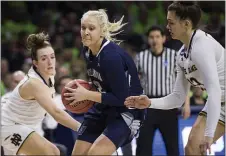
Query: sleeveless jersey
{"x":17,"y":110}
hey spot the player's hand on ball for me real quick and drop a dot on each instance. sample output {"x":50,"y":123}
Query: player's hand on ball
{"x":76,"y":95}
{"x":139,"y":102}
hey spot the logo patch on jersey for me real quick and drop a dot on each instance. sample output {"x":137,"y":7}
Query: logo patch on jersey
{"x":16,"y":139}
{"x":165,"y":62}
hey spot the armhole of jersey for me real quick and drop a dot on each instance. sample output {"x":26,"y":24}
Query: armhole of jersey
{"x":22,"y":85}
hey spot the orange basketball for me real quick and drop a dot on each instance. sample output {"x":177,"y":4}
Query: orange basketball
{"x":81,"y":106}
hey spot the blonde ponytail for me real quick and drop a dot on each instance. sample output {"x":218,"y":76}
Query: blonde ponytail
{"x":109,"y":30}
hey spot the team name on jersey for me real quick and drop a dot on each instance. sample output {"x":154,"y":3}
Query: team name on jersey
{"x":94,"y":73}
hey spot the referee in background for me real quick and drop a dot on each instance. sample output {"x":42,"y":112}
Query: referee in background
{"x":157,"y":70}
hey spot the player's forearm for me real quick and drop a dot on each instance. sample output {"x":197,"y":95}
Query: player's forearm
{"x":213,"y":110}
{"x":169,"y":102}
{"x":65,"y":119}
{"x":94,"y":96}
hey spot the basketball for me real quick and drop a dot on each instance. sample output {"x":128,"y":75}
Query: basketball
{"x":81,"y":106}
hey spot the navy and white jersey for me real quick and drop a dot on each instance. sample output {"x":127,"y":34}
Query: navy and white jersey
{"x":114,"y":74}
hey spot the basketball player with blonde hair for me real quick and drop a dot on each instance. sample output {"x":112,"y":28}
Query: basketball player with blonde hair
{"x":108,"y":124}
{"x":29,"y":102}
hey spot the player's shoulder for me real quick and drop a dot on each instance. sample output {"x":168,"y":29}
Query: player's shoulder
{"x":204,"y":42}
{"x":111,"y":46}
{"x":112,"y":51}
{"x":202,"y":37}
{"x":29,"y":87}
{"x":33,"y":83}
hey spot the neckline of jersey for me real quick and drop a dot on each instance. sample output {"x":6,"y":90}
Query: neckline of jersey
{"x":103,"y":44}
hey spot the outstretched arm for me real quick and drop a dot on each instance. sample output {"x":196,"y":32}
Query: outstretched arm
{"x":177,"y":97}
{"x":42,"y":94}
{"x":173,"y":100}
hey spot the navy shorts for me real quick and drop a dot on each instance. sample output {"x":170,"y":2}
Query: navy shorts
{"x":117,"y":130}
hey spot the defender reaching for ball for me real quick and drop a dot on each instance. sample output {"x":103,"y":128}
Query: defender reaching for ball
{"x":108,"y":124}
{"x":27,"y":105}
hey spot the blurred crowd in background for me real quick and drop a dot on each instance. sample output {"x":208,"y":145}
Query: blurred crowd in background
{"x":61,"y":20}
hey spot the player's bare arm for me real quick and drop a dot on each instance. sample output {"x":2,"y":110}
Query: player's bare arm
{"x":36,"y":89}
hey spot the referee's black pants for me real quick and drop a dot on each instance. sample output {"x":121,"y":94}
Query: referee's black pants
{"x":167,"y":123}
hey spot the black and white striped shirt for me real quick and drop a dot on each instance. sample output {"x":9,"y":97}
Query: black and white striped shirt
{"x":157,"y":73}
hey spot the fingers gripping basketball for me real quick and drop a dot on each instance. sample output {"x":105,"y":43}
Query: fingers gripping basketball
{"x":81,"y":106}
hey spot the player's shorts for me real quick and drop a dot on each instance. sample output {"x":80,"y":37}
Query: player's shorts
{"x":222,"y":115}
{"x":13,"y":137}
{"x":118,"y":130}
